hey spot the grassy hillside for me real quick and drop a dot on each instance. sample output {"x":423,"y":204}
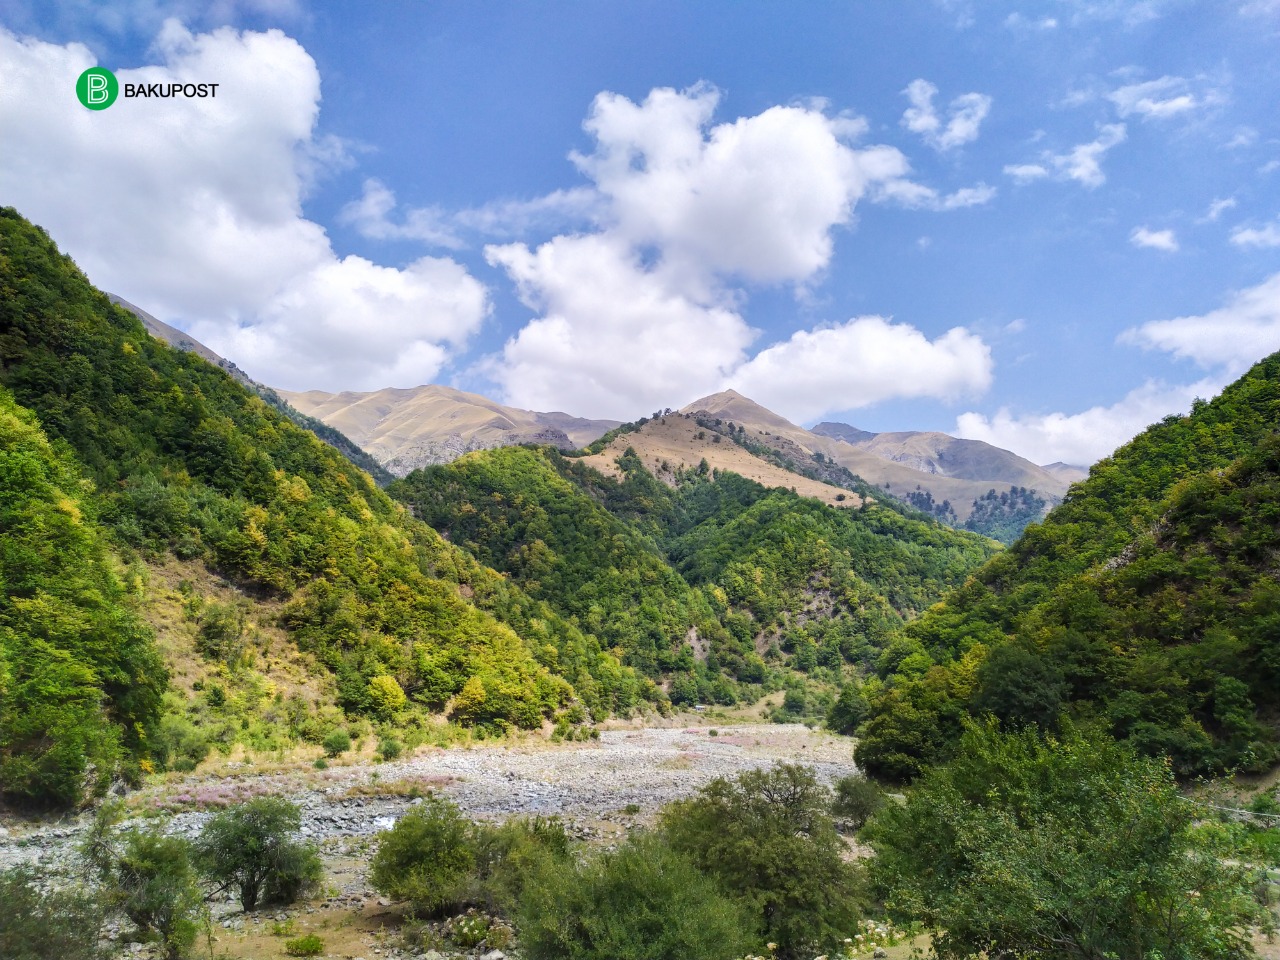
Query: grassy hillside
{"x":711,"y":576}
{"x":1147,"y":600}
{"x":184,"y":460}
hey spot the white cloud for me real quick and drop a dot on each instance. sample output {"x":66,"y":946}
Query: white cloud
{"x":1083,"y":163}
{"x":757,"y":198}
{"x":1271,"y":166}
{"x":1267,"y":236}
{"x":1026,"y":172}
{"x":1017,"y":325}
{"x":964,"y":116}
{"x":1157,"y":99}
{"x":192,"y":210}
{"x":1216,"y":209}
{"x":1016,"y":21}
{"x":1155,"y":239}
{"x":1082,"y":438}
{"x":1231,"y":338}
{"x":645,"y":311}
{"x":613,"y":338}
{"x":369,"y":215}
{"x":1132,"y":13}
{"x":1243,"y":137}
{"x":862,"y":362}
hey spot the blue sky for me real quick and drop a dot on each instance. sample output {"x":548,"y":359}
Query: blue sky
{"x":1041,"y":225}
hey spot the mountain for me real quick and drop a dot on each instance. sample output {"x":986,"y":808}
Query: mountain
{"x":285,"y":591}
{"x":678,"y":442}
{"x":699,"y":574}
{"x":180,"y":340}
{"x":947,"y":456}
{"x":408,"y":428}
{"x":1066,"y":471}
{"x":1147,"y":602}
{"x":912,"y":467}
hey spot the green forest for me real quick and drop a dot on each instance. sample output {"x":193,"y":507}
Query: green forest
{"x":1147,"y":601}
{"x":718,"y":581}
{"x":169,"y":455}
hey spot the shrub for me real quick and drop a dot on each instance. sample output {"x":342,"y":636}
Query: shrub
{"x":308,"y":946}
{"x":1070,"y":846}
{"x":321,"y":763}
{"x":428,"y":858}
{"x":149,"y":878}
{"x":221,"y":633}
{"x":641,"y":902}
{"x":768,"y":837}
{"x":389,"y":748}
{"x":249,"y":847}
{"x":177,"y":744}
{"x":40,"y":924}
{"x":336,"y":743}
{"x":507,"y":855}
{"x":856,"y":799}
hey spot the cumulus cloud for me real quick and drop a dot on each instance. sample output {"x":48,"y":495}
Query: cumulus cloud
{"x":1155,"y":239}
{"x":613,"y":338}
{"x":964,"y":116}
{"x":646,"y":310}
{"x":757,"y":198}
{"x":1266,"y":236}
{"x":1082,"y":163}
{"x":862,"y":362}
{"x":1232,"y":338}
{"x":1082,"y":438}
{"x":193,"y":210}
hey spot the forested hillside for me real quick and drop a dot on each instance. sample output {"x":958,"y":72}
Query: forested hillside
{"x":715,"y":577}
{"x":80,"y":678}
{"x":183,"y":460}
{"x":1148,"y":600}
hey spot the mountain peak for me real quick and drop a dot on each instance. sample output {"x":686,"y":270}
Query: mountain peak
{"x":731,"y":405}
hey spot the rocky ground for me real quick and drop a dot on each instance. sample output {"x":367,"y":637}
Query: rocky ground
{"x":601,"y":788}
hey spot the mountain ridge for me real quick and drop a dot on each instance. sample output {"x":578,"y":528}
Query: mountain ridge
{"x":408,"y":427}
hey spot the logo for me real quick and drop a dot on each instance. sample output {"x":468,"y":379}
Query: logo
{"x":97,"y":88}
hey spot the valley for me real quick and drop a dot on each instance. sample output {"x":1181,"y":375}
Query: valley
{"x":702,"y":639}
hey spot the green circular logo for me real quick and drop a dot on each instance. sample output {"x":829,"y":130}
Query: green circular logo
{"x":97,"y":88}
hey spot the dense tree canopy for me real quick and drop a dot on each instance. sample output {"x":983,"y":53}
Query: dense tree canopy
{"x":1148,"y":599}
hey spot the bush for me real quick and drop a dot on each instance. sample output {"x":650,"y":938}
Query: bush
{"x":308,"y":946}
{"x":177,"y":744}
{"x":856,"y":799}
{"x":507,"y":855}
{"x":336,"y":743}
{"x":1035,"y":846}
{"x":642,"y":902}
{"x":768,"y":837}
{"x":40,"y":924}
{"x":389,"y":748}
{"x":428,"y":858}
{"x":149,"y":878}
{"x":250,"y":848}
{"x":221,"y":633}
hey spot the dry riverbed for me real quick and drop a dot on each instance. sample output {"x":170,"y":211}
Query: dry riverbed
{"x":601,"y":788}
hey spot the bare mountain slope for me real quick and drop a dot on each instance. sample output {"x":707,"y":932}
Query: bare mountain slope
{"x":677,"y":440}
{"x":932,"y":452}
{"x":899,"y":477}
{"x":408,"y":428}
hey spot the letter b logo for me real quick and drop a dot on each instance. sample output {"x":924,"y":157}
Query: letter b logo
{"x":97,"y":88}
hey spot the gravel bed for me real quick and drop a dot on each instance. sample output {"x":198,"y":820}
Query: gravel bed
{"x":582,"y":782}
